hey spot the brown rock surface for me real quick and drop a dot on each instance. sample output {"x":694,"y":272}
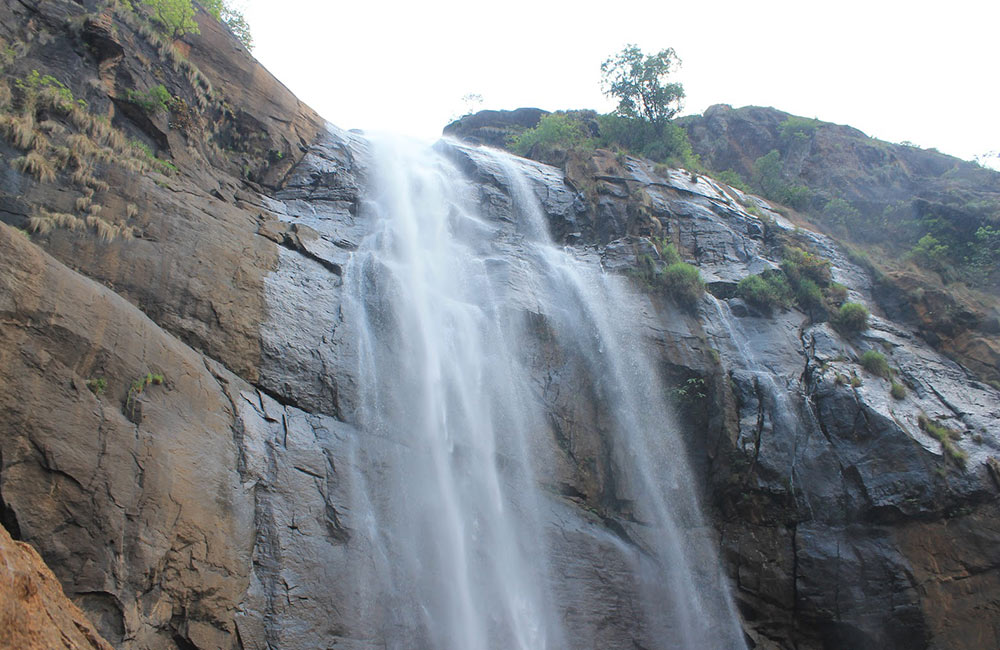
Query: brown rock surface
{"x":34,"y":612}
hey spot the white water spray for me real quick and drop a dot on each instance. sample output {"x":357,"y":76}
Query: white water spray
{"x":458,"y":522}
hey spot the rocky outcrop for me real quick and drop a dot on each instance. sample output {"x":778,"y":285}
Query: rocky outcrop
{"x":493,"y":128}
{"x":885,"y":184}
{"x":34,"y":612}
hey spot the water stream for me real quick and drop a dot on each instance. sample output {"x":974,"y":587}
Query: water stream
{"x":459,"y":519}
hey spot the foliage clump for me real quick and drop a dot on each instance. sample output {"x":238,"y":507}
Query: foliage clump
{"x":673,"y":277}
{"x":946,"y":437}
{"x":767,"y":291}
{"x":851,"y":318}
{"x":876,"y":363}
{"x":639,"y":82}
{"x":155,"y":100}
{"x":683,"y":282}
{"x":554,"y":130}
{"x":769,"y":177}
{"x":231,"y":18}
{"x":175,"y":17}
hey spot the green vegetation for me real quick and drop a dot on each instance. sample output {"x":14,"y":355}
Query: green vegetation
{"x":798,"y":128}
{"x":175,"y":17}
{"x":898,"y":391}
{"x":97,"y":386}
{"x":691,"y":391}
{"x":945,"y":436}
{"x":554,"y":130}
{"x":638,"y":82}
{"x":876,"y":363}
{"x":36,"y":88}
{"x":137,"y":388}
{"x":804,"y":280}
{"x":767,"y":291}
{"x":732,"y":179}
{"x":673,"y":277}
{"x":155,"y":100}
{"x":663,"y":143}
{"x":770,"y":180}
{"x":683,"y":282}
{"x":231,"y":18}
{"x":851,"y":318}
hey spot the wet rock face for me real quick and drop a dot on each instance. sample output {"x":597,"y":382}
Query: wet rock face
{"x":207,"y":509}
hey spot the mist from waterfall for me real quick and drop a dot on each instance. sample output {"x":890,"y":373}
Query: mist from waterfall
{"x":447,"y":292}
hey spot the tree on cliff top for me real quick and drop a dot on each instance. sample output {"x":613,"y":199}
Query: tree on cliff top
{"x":638,"y":81}
{"x":176,"y":17}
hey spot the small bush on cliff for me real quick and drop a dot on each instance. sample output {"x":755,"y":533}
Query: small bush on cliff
{"x":876,"y":363}
{"x":683,"y":282}
{"x":851,"y":318}
{"x":766,"y":292}
{"x":553,"y":131}
{"x":945,"y":436}
{"x":155,"y":100}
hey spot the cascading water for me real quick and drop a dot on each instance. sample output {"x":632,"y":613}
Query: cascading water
{"x":459,"y":518}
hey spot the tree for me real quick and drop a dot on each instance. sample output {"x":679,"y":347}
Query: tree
{"x":638,"y":81}
{"x":231,"y":17}
{"x":175,"y":16}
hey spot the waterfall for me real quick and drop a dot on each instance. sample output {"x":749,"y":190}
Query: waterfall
{"x":456,"y":303}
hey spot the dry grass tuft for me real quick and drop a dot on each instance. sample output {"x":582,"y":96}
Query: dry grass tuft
{"x":20,"y":130}
{"x":35,"y":164}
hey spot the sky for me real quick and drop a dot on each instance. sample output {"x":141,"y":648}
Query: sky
{"x":911,"y":71}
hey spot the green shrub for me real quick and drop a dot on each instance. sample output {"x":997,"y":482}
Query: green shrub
{"x":835,"y":294}
{"x":851,"y":318}
{"x":683,"y":282}
{"x":898,"y":391}
{"x":732,"y":179}
{"x":669,"y":254}
{"x":155,"y":100}
{"x":809,"y":265}
{"x":766,"y":291}
{"x":175,"y":17}
{"x":945,"y":436}
{"x":876,"y":363}
{"x":97,"y":386}
{"x":553,"y":131}
{"x":808,"y":295}
{"x":768,"y":175}
{"x":798,"y":128}
{"x":664,"y":143}
{"x":839,"y":212}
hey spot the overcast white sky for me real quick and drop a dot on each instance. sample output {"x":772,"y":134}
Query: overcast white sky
{"x":918,"y":71}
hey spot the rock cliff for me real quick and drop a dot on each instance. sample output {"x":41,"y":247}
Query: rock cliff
{"x":178,"y":401}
